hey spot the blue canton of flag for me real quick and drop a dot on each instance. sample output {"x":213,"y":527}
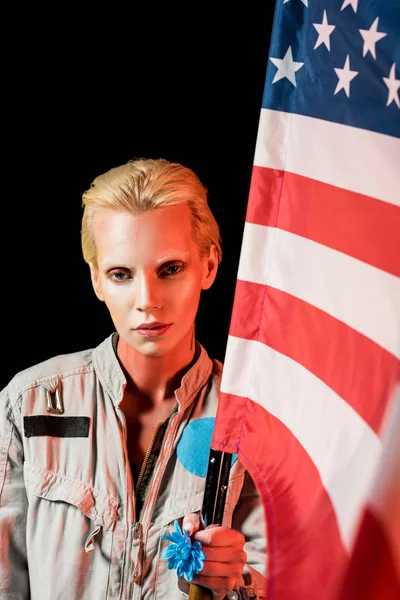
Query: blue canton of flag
{"x":340,"y":60}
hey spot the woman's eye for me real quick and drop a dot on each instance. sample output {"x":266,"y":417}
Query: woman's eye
{"x":171,"y":270}
{"x":119,"y":276}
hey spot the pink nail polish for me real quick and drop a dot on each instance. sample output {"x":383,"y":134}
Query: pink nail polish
{"x":189,"y":527}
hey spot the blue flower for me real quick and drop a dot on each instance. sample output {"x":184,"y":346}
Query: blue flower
{"x":183,"y":554}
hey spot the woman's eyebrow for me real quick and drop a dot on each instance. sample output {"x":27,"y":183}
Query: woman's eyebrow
{"x":174,"y":255}
{"x":108,"y":264}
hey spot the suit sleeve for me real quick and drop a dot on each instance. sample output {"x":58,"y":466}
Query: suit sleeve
{"x":14,"y":579}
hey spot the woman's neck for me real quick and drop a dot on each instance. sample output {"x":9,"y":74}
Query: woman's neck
{"x":156,"y":377}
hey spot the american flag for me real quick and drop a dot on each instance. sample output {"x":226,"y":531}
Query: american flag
{"x":313,"y":352}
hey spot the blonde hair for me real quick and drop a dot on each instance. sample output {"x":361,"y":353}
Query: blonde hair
{"x":148,"y":184}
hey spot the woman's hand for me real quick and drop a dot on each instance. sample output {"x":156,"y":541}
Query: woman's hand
{"x":225,"y":557}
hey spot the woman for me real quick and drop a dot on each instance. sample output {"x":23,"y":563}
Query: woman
{"x":102,"y":449}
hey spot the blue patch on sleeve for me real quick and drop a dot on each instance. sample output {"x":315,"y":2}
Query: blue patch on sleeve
{"x":194,"y":446}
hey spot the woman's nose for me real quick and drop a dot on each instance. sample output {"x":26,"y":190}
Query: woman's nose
{"x":147,"y":294}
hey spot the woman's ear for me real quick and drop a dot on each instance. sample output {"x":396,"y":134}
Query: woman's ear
{"x":96,"y":282}
{"x":210,"y":268}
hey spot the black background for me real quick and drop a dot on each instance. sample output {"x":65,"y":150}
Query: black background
{"x":85,"y":92}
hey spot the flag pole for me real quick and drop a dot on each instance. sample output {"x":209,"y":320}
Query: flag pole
{"x":216,"y":487}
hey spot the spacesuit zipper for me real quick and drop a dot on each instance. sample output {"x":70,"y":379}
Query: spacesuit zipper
{"x":137,"y":488}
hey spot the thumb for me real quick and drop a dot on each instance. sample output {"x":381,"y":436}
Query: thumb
{"x":191,"y":523}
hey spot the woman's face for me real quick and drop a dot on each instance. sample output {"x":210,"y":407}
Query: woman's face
{"x":150,"y":276}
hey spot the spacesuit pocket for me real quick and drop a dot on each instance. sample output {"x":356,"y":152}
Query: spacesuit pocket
{"x":69,"y":531}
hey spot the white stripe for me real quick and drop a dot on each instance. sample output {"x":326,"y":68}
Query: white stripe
{"x":342,"y":446}
{"x":347,"y":157}
{"x":362,"y":296}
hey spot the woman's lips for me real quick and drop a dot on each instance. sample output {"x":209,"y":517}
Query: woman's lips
{"x":153,"y":329}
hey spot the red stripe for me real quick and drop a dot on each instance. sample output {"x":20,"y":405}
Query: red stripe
{"x":371,"y":574}
{"x":305,"y":552}
{"x":357,"y":225}
{"x":357,"y":369}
